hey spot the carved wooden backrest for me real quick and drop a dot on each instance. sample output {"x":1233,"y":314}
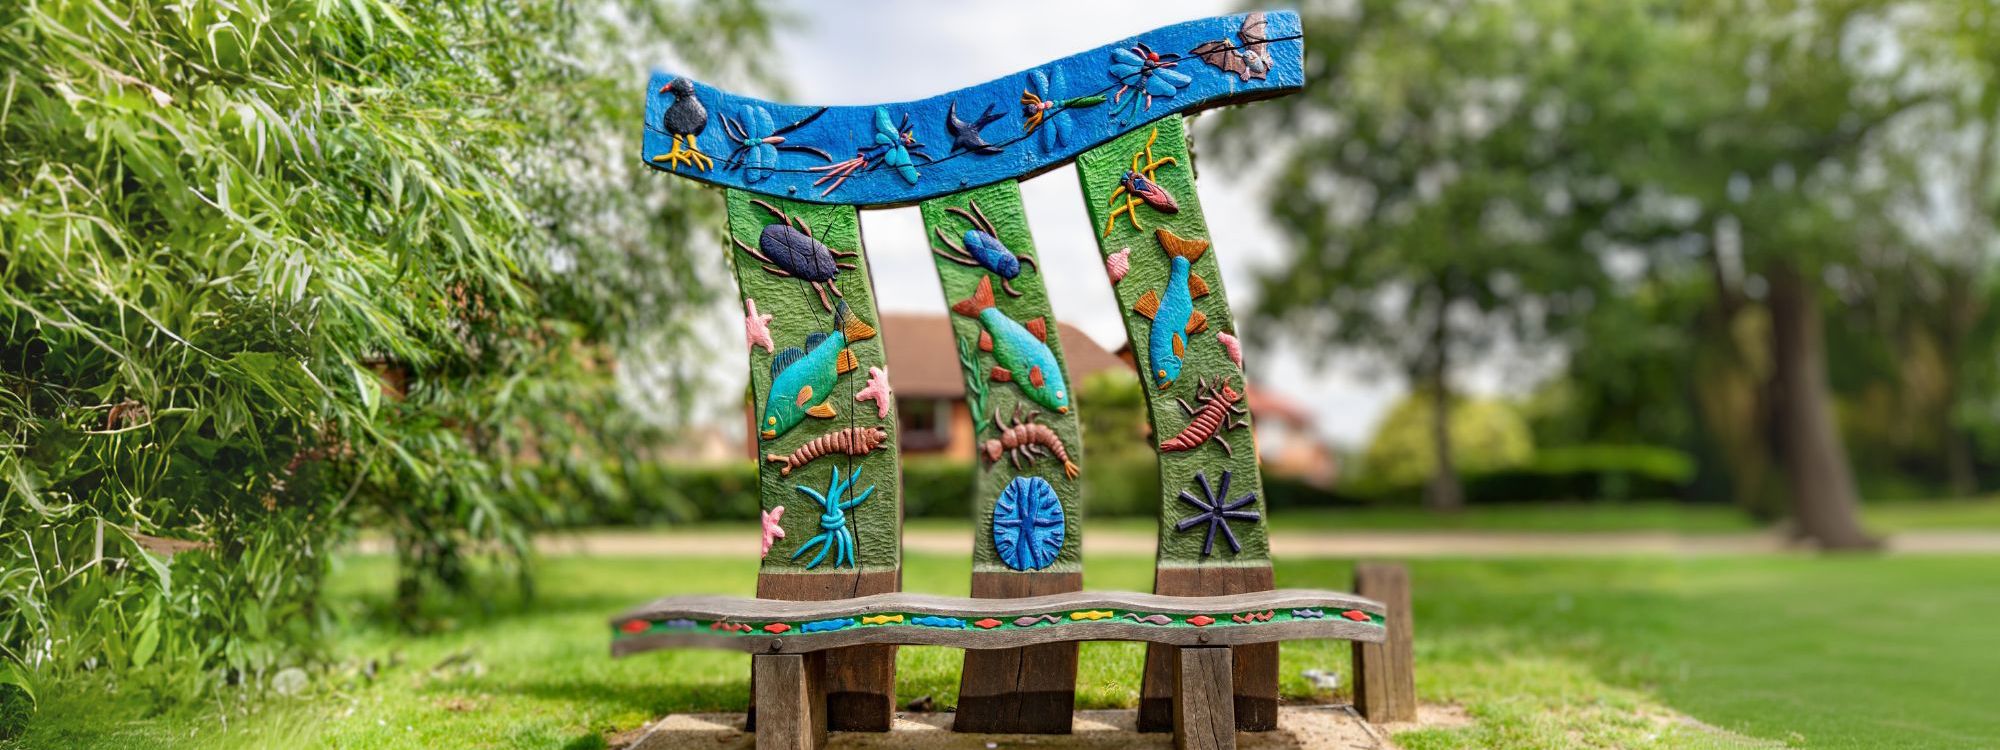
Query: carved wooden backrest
{"x":794,"y":177}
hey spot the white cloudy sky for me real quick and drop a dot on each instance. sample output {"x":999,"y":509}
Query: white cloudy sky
{"x":895,"y":50}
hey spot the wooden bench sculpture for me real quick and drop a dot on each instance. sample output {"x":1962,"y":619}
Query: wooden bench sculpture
{"x":827,"y":616}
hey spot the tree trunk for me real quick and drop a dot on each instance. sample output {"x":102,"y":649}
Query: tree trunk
{"x":1963,"y":308}
{"x":1823,"y":498}
{"x":1959,"y":475}
{"x":1442,"y":492}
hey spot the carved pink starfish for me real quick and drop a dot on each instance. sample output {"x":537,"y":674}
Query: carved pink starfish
{"x":1117,"y":264}
{"x":877,"y":391}
{"x":757,"y":328}
{"x":771,"y":528}
{"x":1230,"y":344}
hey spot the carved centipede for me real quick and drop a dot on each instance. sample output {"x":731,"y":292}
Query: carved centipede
{"x":853,"y":441}
{"x":1024,"y":439}
{"x":1210,"y":420}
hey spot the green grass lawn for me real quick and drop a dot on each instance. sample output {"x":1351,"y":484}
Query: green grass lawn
{"x":1641,"y":516}
{"x":1817,"y":652}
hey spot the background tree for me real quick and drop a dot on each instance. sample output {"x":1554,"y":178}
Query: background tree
{"x":1485,"y":435}
{"x":1780,"y":153}
{"x":1434,"y":183}
{"x":270,"y":269}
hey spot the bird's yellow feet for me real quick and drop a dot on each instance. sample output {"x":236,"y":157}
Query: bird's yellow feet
{"x":690,"y":156}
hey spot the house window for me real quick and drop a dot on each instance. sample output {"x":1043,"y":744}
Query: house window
{"x":926,"y":423}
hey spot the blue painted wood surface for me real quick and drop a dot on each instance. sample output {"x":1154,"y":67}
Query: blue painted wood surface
{"x":908,"y":149}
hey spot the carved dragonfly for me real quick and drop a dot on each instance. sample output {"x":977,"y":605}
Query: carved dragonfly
{"x":1040,"y":108}
{"x":758,"y":143}
{"x":895,"y":145}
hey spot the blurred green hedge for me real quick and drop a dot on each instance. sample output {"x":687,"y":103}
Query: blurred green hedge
{"x":1129,"y":487}
{"x":1579,"y":473}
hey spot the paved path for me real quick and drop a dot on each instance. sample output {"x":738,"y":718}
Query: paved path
{"x":1291,"y":544}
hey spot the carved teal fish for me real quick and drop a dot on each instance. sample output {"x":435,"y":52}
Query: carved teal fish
{"x":802,"y":379}
{"x":1021,"y":350}
{"x":1173,"y":315}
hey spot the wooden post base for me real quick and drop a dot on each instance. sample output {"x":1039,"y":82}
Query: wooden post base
{"x":1385,"y":681}
{"x":1029,"y":690}
{"x":1204,"y":709}
{"x":1256,"y":665}
{"x":860,"y":682}
{"x":791,"y":701}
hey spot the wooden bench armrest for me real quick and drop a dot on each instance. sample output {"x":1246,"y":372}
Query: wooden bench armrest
{"x":766,"y":626}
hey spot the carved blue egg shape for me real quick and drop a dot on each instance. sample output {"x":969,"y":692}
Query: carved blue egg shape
{"x":992,"y":253}
{"x":1028,"y":524}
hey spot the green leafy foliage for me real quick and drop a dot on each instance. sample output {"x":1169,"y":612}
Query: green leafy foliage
{"x":1115,"y":425}
{"x":1485,"y":435}
{"x":272,"y":269}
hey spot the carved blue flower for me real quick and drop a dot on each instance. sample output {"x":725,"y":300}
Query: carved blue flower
{"x":1028,"y":524}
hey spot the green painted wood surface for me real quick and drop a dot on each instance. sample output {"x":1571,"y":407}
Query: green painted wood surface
{"x":797,"y":312}
{"x":1001,"y":206}
{"x":1101,"y":170}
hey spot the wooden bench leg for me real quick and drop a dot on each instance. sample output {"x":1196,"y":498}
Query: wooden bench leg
{"x":1027,"y":690}
{"x":1385,"y":682}
{"x":1204,"y":708}
{"x":791,"y":701}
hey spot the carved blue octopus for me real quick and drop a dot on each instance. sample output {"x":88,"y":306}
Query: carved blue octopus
{"x":834,"y":533}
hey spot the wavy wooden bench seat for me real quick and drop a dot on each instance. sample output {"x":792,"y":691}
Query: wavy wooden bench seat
{"x":789,"y":639}
{"x":763,"y":626}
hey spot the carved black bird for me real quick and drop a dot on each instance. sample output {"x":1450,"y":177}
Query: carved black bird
{"x":684,"y":120}
{"x":965,"y":135}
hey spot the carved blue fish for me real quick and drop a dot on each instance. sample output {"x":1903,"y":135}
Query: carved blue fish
{"x":1021,"y":350}
{"x":802,"y":379}
{"x":822,"y":626}
{"x":1173,"y":314}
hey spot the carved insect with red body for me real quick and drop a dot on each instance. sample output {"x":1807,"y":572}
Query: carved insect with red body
{"x":1138,"y":188}
{"x":789,"y":250}
{"x":1024,"y":439}
{"x":1211,"y":419}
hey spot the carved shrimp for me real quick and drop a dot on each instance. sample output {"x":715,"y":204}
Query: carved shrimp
{"x":853,"y":441}
{"x":1210,"y":420}
{"x":1024,"y":439}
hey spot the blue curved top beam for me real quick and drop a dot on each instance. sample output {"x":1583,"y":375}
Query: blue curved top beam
{"x":1013,"y":127}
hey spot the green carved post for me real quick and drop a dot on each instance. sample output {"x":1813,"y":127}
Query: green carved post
{"x":1164,"y":272}
{"x":1029,"y":446}
{"x":825,"y":428}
